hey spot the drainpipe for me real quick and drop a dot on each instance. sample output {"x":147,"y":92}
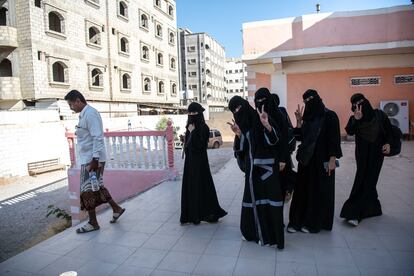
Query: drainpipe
{"x":108,"y":39}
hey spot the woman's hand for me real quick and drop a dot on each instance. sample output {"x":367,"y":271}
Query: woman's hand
{"x":358,"y":113}
{"x":386,"y":149}
{"x":299,"y":116}
{"x":235,"y":128}
{"x":191,"y":127}
{"x":264,"y":119}
{"x":331,"y":165}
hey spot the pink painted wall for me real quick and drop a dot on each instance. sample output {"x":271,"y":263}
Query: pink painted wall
{"x":261,"y":80}
{"x":330,"y":31}
{"x":335,"y":90}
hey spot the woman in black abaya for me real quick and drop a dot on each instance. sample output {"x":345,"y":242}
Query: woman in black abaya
{"x":198,"y":195}
{"x":373,"y":136}
{"x":312,"y":207}
{"x":270,"y":102}
{"x":254,"y":147}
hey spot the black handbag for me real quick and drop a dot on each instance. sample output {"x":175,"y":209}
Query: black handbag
{"x":395,"y":145}
{"x":305,"y":152}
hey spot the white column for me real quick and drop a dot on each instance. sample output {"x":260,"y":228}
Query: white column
{"x":279,"y":86}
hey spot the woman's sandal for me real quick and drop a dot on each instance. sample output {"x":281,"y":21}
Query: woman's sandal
{"x":87,"y":228}
{"x":116,"y":216}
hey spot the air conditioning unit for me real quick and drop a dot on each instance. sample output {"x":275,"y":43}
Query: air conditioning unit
{"x":397,"y":112}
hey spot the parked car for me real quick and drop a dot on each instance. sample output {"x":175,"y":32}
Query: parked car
{"x":215,"y":141}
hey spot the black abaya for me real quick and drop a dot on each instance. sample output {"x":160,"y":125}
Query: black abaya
{"x":363,"y":201}
{"x":313,"y":201}
{"x":198,"y":196}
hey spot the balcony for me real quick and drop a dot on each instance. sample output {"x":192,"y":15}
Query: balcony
{"x":8,"y":38}
{"x":10,"y":88}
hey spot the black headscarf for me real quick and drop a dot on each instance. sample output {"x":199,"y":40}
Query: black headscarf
{"x":245,"y":116}
{"x":367,"y":110}
{"x":313,"y":108}
{"x":198,"y":119}
{"x":276,"y":99}
{"x":270,"y":105}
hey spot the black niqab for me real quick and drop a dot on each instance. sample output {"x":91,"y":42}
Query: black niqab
{"x":245,"y":116}
{"x":367,"y":110}
{"x":198,"y":119}
{"x":313,"y":108}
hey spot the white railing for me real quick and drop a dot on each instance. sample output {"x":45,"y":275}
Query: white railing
{"x":143,"y":150}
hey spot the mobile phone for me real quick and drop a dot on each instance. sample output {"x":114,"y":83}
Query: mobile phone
{"x":325,"y":164}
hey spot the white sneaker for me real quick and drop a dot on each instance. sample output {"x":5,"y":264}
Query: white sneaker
{"x":291,"y":230}
{"x":353,"y":222}
{"x":305,"y":230}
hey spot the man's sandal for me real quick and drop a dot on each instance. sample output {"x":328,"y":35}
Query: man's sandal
{"x":87,"y":228}
{"x":116,"y":216}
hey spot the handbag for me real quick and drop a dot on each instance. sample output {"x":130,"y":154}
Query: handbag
{"x":305,"y":153}
{"x":395,"y":145}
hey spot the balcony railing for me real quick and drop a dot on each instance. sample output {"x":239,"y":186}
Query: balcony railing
{"x":8,"y":37}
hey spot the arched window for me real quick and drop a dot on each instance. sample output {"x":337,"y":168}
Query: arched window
{"x":3,"y":16}
{"x":97,"y":77}
{"x":147,"y":84}
{"x":158,"y":3}
{"x":94,"y":36}
{"x":159,"y":30}
{"x":171,"y":10}
{"x":58,"y":70}
{"x":145,"y":52}
{"x":161,"y":87}
{"x":6,"y":68}
{"x":126,"y":81}
{"x":173,"y":89}
{"x":160,"y":59}
{"x":124,"y":45}
{"x":123,"y":9}
{"x":55,"y":22}
{"x":172,"y":38}
{"x":144,"y":21}
{"x":172,"y":63}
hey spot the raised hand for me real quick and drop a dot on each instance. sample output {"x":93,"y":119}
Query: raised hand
{"x":191,"y":127}
{"x":299,"y":115}
{"x":235,"y":128}
{"x":264,"y":118}
{"x":358,"y":112}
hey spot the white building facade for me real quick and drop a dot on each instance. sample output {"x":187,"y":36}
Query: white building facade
{"x":120,"y":54}
{"x":202,"y":70}
{"x":236,"y":83}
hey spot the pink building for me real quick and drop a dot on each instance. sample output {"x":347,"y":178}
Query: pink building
{"x":338,"y":54}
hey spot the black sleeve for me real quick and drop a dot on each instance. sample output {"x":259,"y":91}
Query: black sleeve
{"x":271,"y":138}
{"x":352,"y":126}
{"x":283,"y":145}
{"x":334,"y":134}
{"x":198,"y":140}
{"x":387,"y":128}
{"x":239,"y":148}
{"x":297,"y":131}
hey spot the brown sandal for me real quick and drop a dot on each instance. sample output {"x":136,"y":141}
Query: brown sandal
{"x":116,"y":216}
{"x":87,"y":228}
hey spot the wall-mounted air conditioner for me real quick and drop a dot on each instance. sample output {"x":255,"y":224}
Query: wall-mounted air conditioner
{"x":398,"y":113}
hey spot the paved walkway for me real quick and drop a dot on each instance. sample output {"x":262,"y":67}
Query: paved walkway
{"x":149,"y":241}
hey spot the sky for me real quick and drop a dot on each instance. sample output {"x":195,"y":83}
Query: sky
{"x":223,"y":19}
